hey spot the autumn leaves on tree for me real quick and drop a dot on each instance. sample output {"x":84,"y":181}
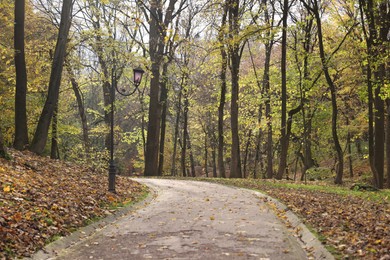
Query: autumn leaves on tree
{"x":262,"y":86}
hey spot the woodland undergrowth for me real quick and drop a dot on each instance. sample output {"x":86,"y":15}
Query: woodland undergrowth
{"x":42,"y":199}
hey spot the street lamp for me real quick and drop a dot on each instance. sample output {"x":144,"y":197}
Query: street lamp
{"x":138,"y":72}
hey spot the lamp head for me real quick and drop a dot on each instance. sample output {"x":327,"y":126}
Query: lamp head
{"x":138,"y":72}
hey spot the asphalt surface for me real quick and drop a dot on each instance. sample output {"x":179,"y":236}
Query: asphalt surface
{"x":193,"y":220}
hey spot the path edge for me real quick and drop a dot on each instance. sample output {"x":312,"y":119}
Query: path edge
{"x":309,"y":242}
{"x":53,"y":249}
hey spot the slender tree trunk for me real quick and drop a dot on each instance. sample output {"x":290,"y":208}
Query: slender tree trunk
{"x":259,"y":117}
{"x":192,"y":161}
{"x":142,"y":102}
{"x":54,"y":153}
{"x":234,"y":53}
{"x":258,"y":156}
{"x":364,"y":9}
{"x":379,"y":134}
{"x":283,"y":132}
{"x":206,"y":154}
{"x":267,"y":93}
{"x":247,"y":153}
{"x":185,"y":133}
{"x":3,"y":149}
{"x":349,"y":146}
{"x":340,"y":159}
{"x":176,"y":133}
{"x":214,"y":156}
{"x":41,"y":134}
{"x":308,"y":161}
{"x":81,"y":108}
{"x":388,"y":143}
{"x":163,"y":102}
{"x":222,"y":49}
{"x":21,"y":130}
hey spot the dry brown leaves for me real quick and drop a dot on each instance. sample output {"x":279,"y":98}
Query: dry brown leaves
{"x":42,"y":198}
{"x":356,"y":227}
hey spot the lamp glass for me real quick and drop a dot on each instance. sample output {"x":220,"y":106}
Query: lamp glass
{"x":138,"y":72}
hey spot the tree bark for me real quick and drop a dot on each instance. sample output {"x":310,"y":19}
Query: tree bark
{"x":3,"y":149}
{"x":185,"y":133}
{"x":222,"y":100}
{"x":388,"y":143}
{"x":21,"y":130}
{"x":163,"y":102}
{"x":283,"y":131}
{"x":155,"y":50}
{"x":378,"y":18}
{"x":234,"y":53}
{"x":81,"y":109}
{"x":246,"y":154}
{"x":41,"y":134}
{"x":192,"y":161}
{"x":266,"y":86}
{"x":369,"y":36}
{"x":340,"y":159}
{"x":54,"y":152}
{"x":157,"y":33}
{"x":176,"y":133}
{"x":349,"y":147}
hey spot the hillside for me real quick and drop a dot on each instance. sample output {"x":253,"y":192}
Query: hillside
{"x":42,"y":199}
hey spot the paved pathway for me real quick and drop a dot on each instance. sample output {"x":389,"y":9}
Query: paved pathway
{"x":192,"y":220}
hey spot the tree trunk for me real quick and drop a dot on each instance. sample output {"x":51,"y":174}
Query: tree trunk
{"x":3,"y":149}
{"x":41,"y":134}
{"x":340,"y":159}
{"x":266,"y":87}
{"x":192,"y":161}
{"x":222,"y":76}
{"x":185,"y":133}
{"x":163,"y":102}
{"x":364,"y":9}
{"x":388,"y":143}
{"x":21,"y":130}
{"x":54,"y":153}
{"x":156,"y":47}
{"x":176,"y":133}
{"x":142,"y":103}
{"x":379,"y":134}
{"x":349,"y":146}
{"x":81,"y":108}
{"x":247,"y":153}
{"x":283,"y":131}
{"x":214,"y":155}
{"x":234,"y":53}
{"x":206,"y":155}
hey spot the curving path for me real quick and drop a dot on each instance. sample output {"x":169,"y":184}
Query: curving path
{"x":193,"y":220}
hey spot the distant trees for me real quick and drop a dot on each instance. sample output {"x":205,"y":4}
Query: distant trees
{"x":242,"y":88}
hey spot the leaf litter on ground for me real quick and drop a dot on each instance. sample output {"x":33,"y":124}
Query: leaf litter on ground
{"x":42,"y":199}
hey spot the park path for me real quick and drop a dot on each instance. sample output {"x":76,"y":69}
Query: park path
{"x":192,"y":220}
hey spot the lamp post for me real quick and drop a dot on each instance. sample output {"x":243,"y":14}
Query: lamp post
{"x":138,"y":72}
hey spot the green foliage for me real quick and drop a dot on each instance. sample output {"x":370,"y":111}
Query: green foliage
{"x":319,"y":173}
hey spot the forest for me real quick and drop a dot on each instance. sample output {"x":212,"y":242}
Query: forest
{"x":278,"y":89}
